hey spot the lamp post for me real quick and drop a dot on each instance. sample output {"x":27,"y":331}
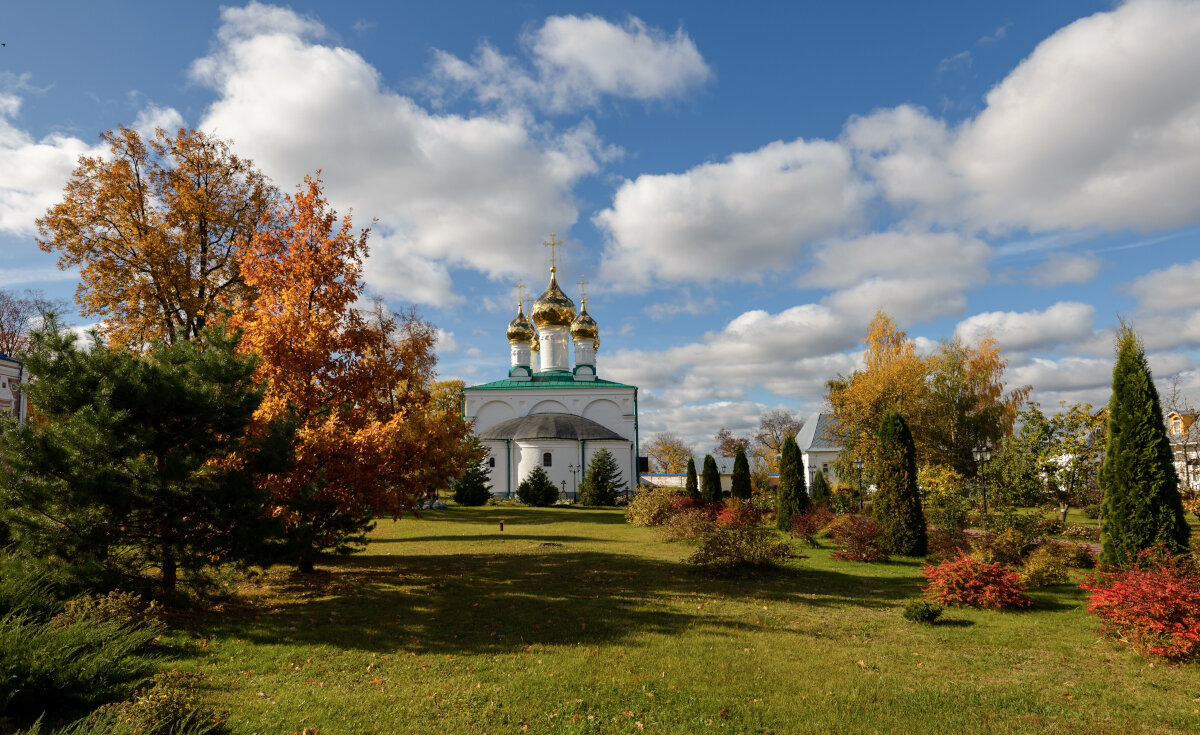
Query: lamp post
{"x":982,"y":455}
{"x":858,"y":470}
{"x":574,"y":488}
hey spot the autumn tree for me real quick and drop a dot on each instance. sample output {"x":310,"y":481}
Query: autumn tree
{"x":727,"y":443}
{"x":156,"y":229}
{"x":1067,"y":447}
{"x":19,"y":315}
{"x":767,"y":439}
{"x":668,"y":454}
{"x":1142,"y":506}
{"x":370,"y":439}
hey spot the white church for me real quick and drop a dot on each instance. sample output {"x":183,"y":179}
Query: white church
{"x":553,"y":414}
{"x":12,"y":400}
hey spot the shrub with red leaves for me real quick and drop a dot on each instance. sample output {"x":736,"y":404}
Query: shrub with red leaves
{"x":1154,"y":605}
{"x":738,"y":515}
{"x":857,"y":538}
{"x":967,"y":582}
{"x":808,"y":524}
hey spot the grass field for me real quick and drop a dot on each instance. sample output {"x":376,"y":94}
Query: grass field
{"x":570,"y":620}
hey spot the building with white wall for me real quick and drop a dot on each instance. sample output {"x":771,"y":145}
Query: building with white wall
{"x":12,"y":400}
{"x":553,"y":414}
{"x":820,"y":444}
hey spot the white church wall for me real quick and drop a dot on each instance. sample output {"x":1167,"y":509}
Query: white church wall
{"x":548,"y":407}
{"x":820,"y":462}
{"x":563,"y":455}
{"x":612,"y":408}
{"x":621,"y":451}
{"x":492,"y":413}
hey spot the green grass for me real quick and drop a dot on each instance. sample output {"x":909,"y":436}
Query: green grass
{"x":449,"y":625}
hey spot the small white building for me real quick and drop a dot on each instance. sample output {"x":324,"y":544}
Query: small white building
{"x":12,"y":400}
{"x":553,"y":415}
{"x":820,"y":444}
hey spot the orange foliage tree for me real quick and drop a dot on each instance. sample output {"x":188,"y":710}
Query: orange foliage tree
{"x":357,"y":387}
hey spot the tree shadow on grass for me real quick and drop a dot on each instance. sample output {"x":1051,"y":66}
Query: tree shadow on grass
{"x":526,"y":515}
{"x":475,"y":602}
{"x":490,"y":537}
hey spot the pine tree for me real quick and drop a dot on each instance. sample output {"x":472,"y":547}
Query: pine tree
{"x":792,"y":493}
{"x":897,"y":505}
{"x":142,"y":469}
{"x":739,"y":486}
{"x":692,"y":488}
{"x":602,"y":481}
{"x":473,"y":487}
{"x":710,"y":481}
{"x":1142,"y":506}
{"x":537,"y":489}
{"x":820,"y":493}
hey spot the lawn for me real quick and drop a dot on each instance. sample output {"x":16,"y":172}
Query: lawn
{"x":571,"y":620}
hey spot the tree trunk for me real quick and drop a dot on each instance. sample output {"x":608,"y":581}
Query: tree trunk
{"x":170,"y":573}
{"x":306,"y":564}
{"x":1064,"y":508}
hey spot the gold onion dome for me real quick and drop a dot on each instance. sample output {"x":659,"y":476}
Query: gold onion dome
{"x":584,"y":326}
{"x":553,"y":308}
{"x":519,"y":329}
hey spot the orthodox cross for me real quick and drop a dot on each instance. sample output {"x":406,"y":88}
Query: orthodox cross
{"x":583,"y":291}
{"x":521,"y":294}
{"x":553,"y":256}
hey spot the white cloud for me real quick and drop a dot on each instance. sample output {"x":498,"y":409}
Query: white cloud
{"x":1176,"y":287}
{"x":577,"y":61}
{"x":1099,"y":126}
{"x":35,"y":171}
{"x":447,"y":190}
{"x":152,"y":117}
{"x":728,"y":220}
{"x":1064,"y":268}
{"x":1064,"y":322}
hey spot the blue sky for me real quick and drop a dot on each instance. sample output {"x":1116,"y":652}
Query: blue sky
{"x":743,"y":185}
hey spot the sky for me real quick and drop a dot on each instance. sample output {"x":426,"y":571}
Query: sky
{"x":743,"y":185}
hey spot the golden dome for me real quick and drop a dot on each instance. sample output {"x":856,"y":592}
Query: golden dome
{"x":553,"y":308}
{"x":519,"y":329}
{"x":584,"y":326}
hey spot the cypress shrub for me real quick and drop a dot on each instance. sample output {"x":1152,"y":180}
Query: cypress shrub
{"x":472,"y":488}
{"x":602,"y":480}
{"x":692,"y":489}
{"x":791,"y":495}
{"x":1142,"y":507}
{"x":740,"y":482}
{"x":897,"y":503}
{"x":820,"y":494}
{"x":536,"y":489}
{"x":710,"y":481}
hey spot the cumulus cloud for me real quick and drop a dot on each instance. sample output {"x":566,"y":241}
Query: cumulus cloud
{"x":1169,"y":289}
{"x":1074,"y":137}
{"x":447,"y":190}
{"x":579,"y":60}
{"x":152,"y":117}
{"x":1064,"y":268}
{"x":729,"y":220}
{"x":1064,"y":322}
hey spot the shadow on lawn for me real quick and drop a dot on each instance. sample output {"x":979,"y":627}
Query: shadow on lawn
{"x":525,"y":515}
{"x":473,"y":602}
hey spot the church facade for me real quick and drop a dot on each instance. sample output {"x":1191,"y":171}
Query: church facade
{"x":12,"y":400}
{"x":551,"y":413}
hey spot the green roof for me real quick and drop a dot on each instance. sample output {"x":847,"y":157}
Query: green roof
{"x":549,"y":380}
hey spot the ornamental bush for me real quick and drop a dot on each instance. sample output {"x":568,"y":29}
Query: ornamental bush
{"x":1082,"y":533}
{"x":651,"y":506}
{"x":602,"y":481}
{"x":1002,"y":548}
{"x":724,"y":549}
{"x":687,"y":525}
{"x":710,"y":481}
{"x":922,"y":611}
{"x":946,"y":543}
{"x":536,"y":489}
{"x":968,"y":582}
{"x":857,"y":538}
{"x":807,"y":525}
{"x":472,"y":488}
{"x":170,"y":705}
{"x":1153,"y":605}
{"x":738,"y":515}
{"x":897,"y":501}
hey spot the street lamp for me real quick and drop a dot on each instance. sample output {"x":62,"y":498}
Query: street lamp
{"x":574,"y":488}
{"x":858,"y":469}
{"x":982,"y":455}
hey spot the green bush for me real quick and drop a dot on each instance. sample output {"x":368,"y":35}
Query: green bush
{"x":23,"y":589}
{"x":169,"y":705}
{"x":1045,"y":567}
{"x":724,"y":549}
{"x":124,"y":608}
{"x":1091,"y":511}
{"x":688,"y":525}
{"x":602,"y":480}
{"x":922,"y":611}
{"x":1006,"y":548}
{"x":896,"y":505}
{"x":536,"y":489}
{"x":651,"y":506}
{"x":945,"y":543}
{"x":1082,"y":533}
{"x":472,"y":488}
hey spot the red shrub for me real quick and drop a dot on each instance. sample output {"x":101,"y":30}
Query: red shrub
{"x":680,"y":503}
{"x":858,"y":538}
{"x":1153,"y":606}
{"x":967,"y":582}
{"x":738,"y":515}
{"x":807,"y":525}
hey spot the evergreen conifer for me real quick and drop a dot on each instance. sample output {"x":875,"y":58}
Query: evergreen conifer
{"x":602,"y":481}
{"x":537,"y":489}
{"x":1142,"y":506}
{"x":692,"y":488}
{"x":472,"y":488}
{"x":820,"y":493}
{"x":710,"y":481}
{"x":740,"y":481}
{"x":791,"y":495}
{"x":897,"y":504}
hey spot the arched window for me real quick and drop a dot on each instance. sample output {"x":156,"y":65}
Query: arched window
{"x":491,"y":461}
{"x":546,"y":459}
